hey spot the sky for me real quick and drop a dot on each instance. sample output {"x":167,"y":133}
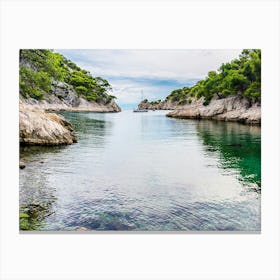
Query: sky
{"x":154,"y":72}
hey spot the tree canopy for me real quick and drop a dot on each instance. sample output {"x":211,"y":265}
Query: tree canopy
{"x":241,"y":76}
{"x":40,"y":69}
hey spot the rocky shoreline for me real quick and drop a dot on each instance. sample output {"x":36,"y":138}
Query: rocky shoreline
{"x":64,"y":98}
{"x":37,"y":127}
{"x":49,"y":83}
{"x":232,"y":108}
{"x":163,"y":105}
{"x":83,"y":106}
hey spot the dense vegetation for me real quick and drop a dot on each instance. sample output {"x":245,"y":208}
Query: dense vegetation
{"x":42,"y":69}
{"x":241,"y":76}
{"x":152,"y":102}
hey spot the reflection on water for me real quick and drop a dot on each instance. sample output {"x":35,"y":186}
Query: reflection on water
{"x":145,"y":172}
{"x":239,"y":148}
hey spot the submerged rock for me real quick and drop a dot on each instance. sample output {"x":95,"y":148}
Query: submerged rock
{"x":37,"y":127}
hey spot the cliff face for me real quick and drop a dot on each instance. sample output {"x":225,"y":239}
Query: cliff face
{"x":40,"y":128}
{"x":50,"y":82}
{"x":232,"y":108}
{"x":232,"y":93}
{"x":64,"y":98}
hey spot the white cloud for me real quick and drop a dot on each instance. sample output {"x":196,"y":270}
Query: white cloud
{"x":160,"y":64}
{"x":130,"y":71}
{"x":130,"y":92}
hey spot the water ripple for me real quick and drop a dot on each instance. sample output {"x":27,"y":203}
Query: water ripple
{"x":145,"y":172}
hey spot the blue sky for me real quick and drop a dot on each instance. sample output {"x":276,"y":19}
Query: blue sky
{"x":155,"y":72}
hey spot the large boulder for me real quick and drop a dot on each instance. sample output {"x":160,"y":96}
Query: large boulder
{"x":37,"y":127}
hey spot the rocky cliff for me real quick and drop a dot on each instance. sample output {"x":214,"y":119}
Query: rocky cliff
{"x":230,"y":93}
{"x":232,"y":108}
{"x":50,"y":82}
{"x":63,"y":97}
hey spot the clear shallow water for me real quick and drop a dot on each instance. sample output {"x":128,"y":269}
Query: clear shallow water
{"x":144,"y":171}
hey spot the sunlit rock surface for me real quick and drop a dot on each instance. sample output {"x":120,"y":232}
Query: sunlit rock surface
{"x":64,"y":98}
{"x":232,"y":108}
{"x":37,"y":127}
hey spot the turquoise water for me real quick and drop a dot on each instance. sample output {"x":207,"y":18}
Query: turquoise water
{"x":144,"y":171}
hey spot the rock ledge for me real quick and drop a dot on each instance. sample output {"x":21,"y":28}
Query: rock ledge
{"x":37,"y":127}
{"x":232,"y":108}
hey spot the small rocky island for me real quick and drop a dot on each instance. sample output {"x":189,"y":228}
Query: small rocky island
{"x":50,"y":82}
{"x":233,"y":93}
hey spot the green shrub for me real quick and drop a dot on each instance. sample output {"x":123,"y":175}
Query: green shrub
{"x":155,"y":102}
{"x":92,"y":97}
{"x":24,"y":221}
{"x":81,"y":90}
{"x":241,"y":76}
{"x":23,"y":215}
{"x":32,"y":83}
{"x":254,"y":90}
{"x":44,"y":66}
